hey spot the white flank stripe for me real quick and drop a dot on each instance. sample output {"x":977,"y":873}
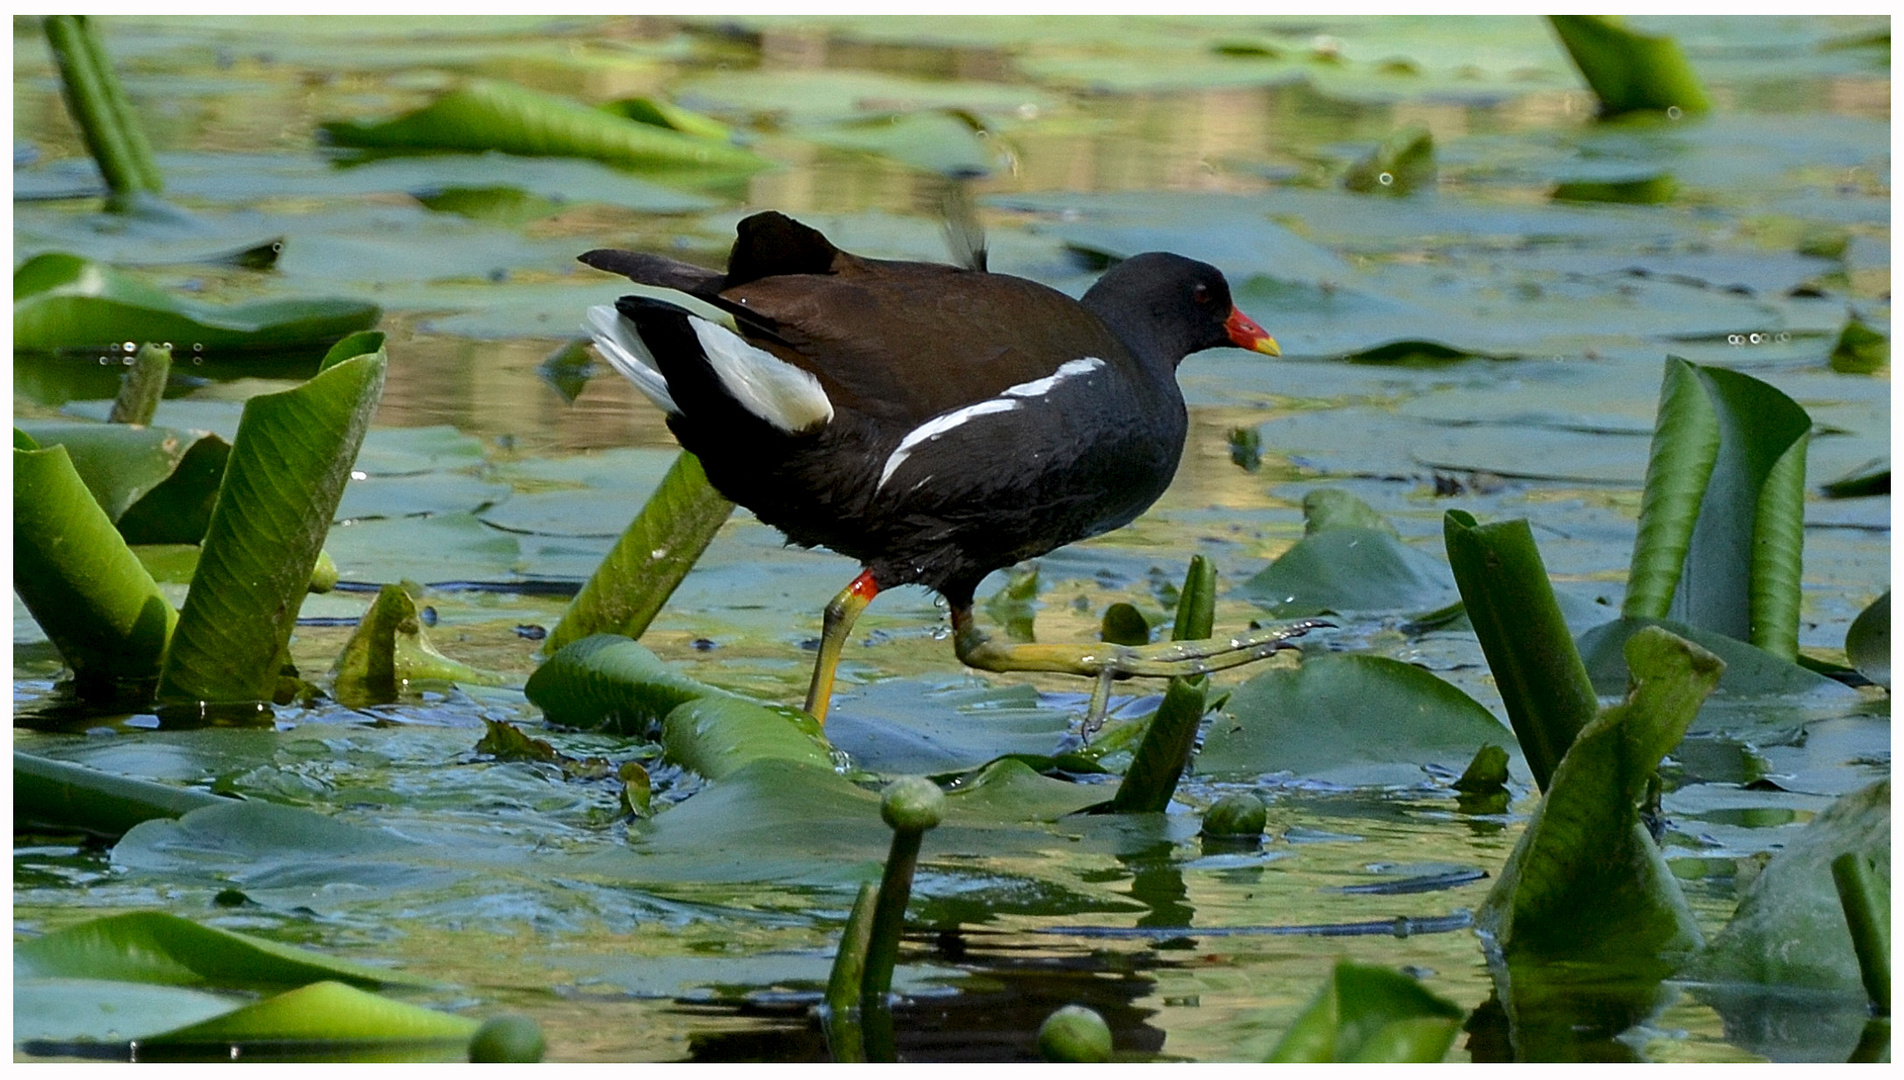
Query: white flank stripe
{"x":765,"y":385}
{"x":1004,"y":402}
{"x":617,"y":342}
{"x":1037,"y":387}
{"x":938,"y":426}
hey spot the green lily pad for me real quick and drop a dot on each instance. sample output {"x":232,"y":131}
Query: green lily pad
{"x":81,"y":582}
{"x":1790,"y":928}
{"x":1628,"y":70}
{"x":1351,"y":569}
{"x":60,"y":795}
{"x":1750,"y":672}
{"x":942,"y":142}
{"x":1348,"y":719}
{"x":609,"y":681}
{"x":441,"y":547}
{"x":1868,"y":642}
{"x":66,"y":303}
{"x":102,"y":1011}
{"x":906,"y":726}
{"x":718,"y":734}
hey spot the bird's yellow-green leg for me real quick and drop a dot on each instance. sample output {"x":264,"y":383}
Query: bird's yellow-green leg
{"x":1161,"y":660}
{"x":840,"y":613}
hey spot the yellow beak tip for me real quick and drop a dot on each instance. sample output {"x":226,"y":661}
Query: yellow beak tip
{"x":1268,"y":345}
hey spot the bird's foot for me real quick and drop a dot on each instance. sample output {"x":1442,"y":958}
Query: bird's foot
{"x":1161,"y":660}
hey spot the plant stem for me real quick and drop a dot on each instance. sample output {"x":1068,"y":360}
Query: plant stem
{"x":142,"y":385}
{"x":889,"y":916}
{"x":1869,"y":923}
{"x":102,"y":111}
{"x":840,"y":1016}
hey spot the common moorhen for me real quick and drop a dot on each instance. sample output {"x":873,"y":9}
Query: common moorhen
{"x":935,"y":423}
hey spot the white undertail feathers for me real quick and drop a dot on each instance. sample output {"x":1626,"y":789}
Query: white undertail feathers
{"x":765,"y":385}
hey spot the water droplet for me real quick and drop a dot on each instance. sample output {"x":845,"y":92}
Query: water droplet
{"x":1756,"y":338}
{"x":166,"y":345}
{"x":658,"y":553}
{"x":1385,"y":179}
{"x":1673,"y":112}
{"x":104,"y":360}
{"x":130,"y":346}
{"x":1734,"y":339}
{"x":198,"y":346}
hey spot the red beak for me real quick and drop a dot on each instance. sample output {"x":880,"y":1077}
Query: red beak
{"x":1247,"y":335}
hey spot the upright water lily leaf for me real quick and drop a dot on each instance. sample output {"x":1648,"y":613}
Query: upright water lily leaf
{"x":289,"y":463}
{"x":1721,"y":532}
{"x":1868,"y":642}
{"x":1860,"y":350}
{"x":64,"y":303}
{"x":608,"y":681}
{"x":391,"y":649}
{"x":490,"y":115}
{"x":1789,"y":928}
{"x":1371,"y":1014}
{"x":61,"y":796}
{"x":1402,"y":163}
{"x":1586,"y":882}
{"x":654,"y":553}
{"x":1530,"y":652}
{"x":85,"y":588}
{"x":156,"y":947}
{"x":1346,"y":718}
{"x":1629,"y":71}
{"x":164,"y":479}
{"x":325,"y":1021}
{"x":668,"y":115}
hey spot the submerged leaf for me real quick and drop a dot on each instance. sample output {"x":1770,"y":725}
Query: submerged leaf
{"x":59,"y":796}
{"x":1350,"y":569}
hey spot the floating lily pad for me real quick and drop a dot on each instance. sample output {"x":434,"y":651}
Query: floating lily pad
{"x":902,"y":726}
{"x":1349,"y":719}
{"x":1351,"y":569}
{"x":1790,"y":928}
{"x":156,"y":947}
{"x":65,"y":303}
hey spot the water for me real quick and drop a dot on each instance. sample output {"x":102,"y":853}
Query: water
{"x":522,"y":890}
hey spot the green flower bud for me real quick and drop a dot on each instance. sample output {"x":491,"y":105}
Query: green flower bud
{"x":1075,"y":1033}
{"x":1236,"y":815}
{"x":508,"y":1038}
{"x":912,"y":804}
